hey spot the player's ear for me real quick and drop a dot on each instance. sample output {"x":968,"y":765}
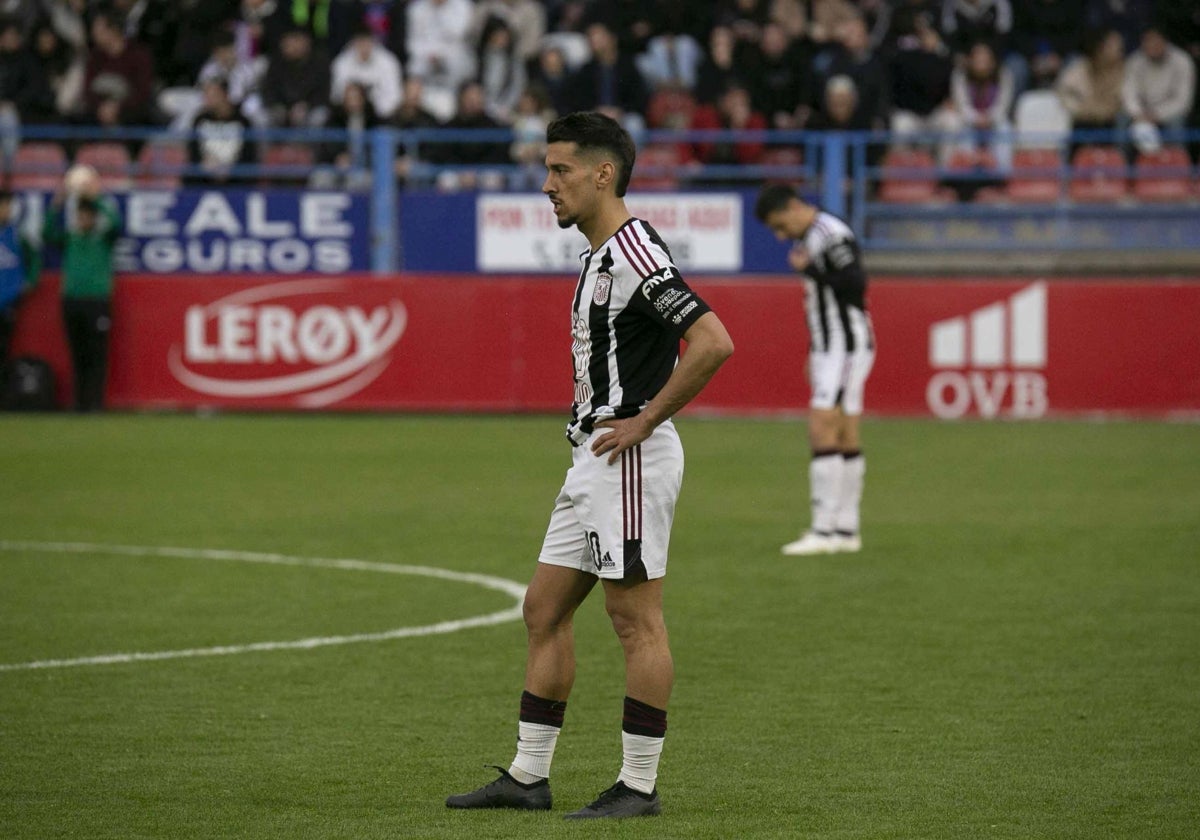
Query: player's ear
{"x":606,"y":174}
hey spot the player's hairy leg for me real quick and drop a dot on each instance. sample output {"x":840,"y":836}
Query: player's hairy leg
{"x":825,"y":428}
{"x":848,"y":438}
{"x":550,"y":603}
{"x":637,"y":618}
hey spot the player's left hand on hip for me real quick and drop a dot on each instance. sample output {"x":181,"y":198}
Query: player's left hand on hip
{"x":623,"y":435}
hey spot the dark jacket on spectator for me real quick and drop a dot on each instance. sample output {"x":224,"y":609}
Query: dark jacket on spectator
{"x":128,"y":78}
{"x":288,"y":82}
{"x":594,"y":85}
{"x":920,"y":80}
{"x":24,"y":82}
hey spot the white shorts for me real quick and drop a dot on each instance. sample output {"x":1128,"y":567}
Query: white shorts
{"x":615,"y":521}
{"x":839,"y":378}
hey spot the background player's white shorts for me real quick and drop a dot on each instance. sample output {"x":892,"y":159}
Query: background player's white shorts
{"x":611,"y":521}
{"x":839,"y":378}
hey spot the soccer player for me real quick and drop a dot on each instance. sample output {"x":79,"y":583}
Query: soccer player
{"x":612,"y":519}
{"x":842,"y":350}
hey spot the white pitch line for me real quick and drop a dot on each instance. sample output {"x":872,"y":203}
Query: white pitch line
{"x":509,"y":587}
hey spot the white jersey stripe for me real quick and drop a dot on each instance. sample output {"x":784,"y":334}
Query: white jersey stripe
{"x":631,"y":253}
{"x":640,"y":243}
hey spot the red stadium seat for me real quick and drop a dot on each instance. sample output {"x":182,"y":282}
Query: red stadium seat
{"x":1035,"y":176}
{"x":288,"y":162}
{"x":38,"y":166}
{"x":670,"y":108}
{"x":1163,"y":176}
{"x":1099,"y":174}
{"x":910,"y":177}
{"x":160,"y":165}
{"x":111,"y":160}
{"x":656,"y":168}
{"x":783,"y":158}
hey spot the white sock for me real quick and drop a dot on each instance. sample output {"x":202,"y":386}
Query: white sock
{"x":639,"y":770}
{"x":824,"y":483}
{"x":854,"y":467}
{"x":535,"y":751}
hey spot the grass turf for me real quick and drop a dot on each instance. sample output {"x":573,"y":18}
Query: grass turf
{"x":1014,"y":654}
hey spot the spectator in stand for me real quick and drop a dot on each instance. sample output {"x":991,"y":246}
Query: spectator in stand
{"x":24,"y":13}
{"x":25,"y":94}
{"x":386,"y":19}
{"x":119,"y":78}
{"x":348,"y":162}
{"x":733,"y":112}
{"x":1181,"y":20}
{"x":1160,"y":83}
{"x":67,"y":19}
{"x":903,"y":20}
{"x":181,"y":60}
{"x":827,"y":17}
{"x":671,"y":60}
{"x":1090,"y":86}
{"x":551,"y":79}
{"x":501,"y":71}
{"x":330,"y":22}
{"x":920,"y":78}
{"x":609,"y":81}
{"x":1129,"y":17}
{"x":718,"y":70}
{"x":839,"y":109}
{"x":529,"y":140}
{"x":632,"y":22}
{"x":526,"y":19}
{"x":258,"y":28}
{"x":792,"y":15}
{"x":471,"y":115}
{"x":64,"y":68}
{"x":781,"y":83}
{"x":295,"y":88}
{"x":368,"y":64}
{"x":440,"y":51}
{"x":411,"y":115}
{"x":240,"y":76}
{"x":983,"y":94}
{"x":966,"y":22}
{"x":154,"y":24}
{"x":220,"y":137}
{"x":1046,"y":34}
{"x":852,"y":56}
{"x":745,"y":19}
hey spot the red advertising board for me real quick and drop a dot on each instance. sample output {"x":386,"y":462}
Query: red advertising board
{"x":950,"y":348}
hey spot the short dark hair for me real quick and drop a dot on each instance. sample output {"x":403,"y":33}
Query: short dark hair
{"x":592,"y":130}
{"x":771,"y":199}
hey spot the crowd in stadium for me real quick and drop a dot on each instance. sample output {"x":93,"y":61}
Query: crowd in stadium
{"x":931,"y":67}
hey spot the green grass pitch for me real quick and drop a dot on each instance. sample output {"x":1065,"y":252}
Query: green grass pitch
{"x":1014,"y":654}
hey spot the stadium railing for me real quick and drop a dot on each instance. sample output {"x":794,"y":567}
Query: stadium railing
{"x":1082,"y":190}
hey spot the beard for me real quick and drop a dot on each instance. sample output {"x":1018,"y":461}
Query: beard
{"x":565,"y":222}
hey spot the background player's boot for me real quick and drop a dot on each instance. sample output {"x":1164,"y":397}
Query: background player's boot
{"x":848,"y":542}
{"x":620,"y":801}
{"x":812,"y":542}
{"x":505,"y":792}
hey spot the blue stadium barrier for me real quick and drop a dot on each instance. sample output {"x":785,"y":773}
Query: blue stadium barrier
{"x":894,"y":207}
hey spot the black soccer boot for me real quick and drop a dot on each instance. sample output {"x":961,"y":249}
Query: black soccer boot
{"x":620,"y":801}
{"x":505,"y":792}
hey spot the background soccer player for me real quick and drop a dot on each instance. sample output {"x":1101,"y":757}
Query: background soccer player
{"x":842,"y":350}
{"x":612,"y":518}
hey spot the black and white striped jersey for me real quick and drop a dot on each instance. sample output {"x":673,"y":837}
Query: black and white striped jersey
{"x":835,"y":287}
{"x":630,"y":310}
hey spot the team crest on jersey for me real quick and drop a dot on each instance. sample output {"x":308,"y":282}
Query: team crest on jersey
{"x":604,"y":282}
